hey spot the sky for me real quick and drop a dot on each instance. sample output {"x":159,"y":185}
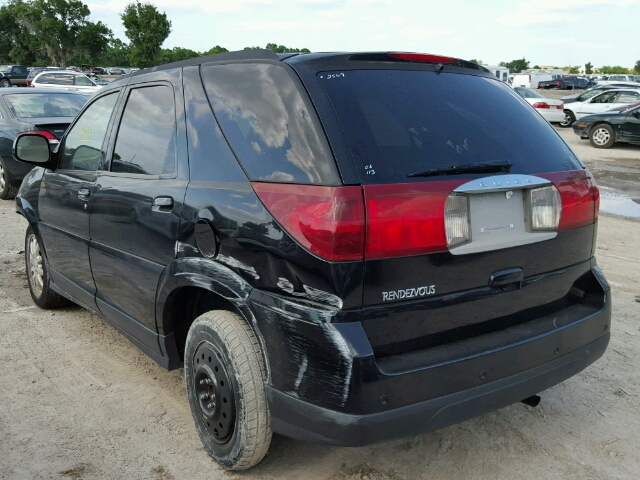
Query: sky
{"x":603,"y":32}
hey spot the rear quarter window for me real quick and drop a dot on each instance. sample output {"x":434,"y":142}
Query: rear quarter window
{"x":271,"y":127}
{"x":403,"y":122}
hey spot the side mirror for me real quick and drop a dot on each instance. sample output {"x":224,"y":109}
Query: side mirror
{"x":34,"y":148}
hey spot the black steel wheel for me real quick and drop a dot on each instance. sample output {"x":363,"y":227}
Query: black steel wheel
{"x":225,"y":378}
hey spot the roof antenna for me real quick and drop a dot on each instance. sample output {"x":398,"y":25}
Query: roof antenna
{"x":439,"y":68}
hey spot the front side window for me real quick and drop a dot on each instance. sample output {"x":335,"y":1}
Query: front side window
{"x":83,"y":145}
{"x":147,"y":135}
{"x":608,"y":97}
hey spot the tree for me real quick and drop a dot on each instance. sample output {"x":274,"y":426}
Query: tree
{"x":215,"y":50}
{"x":516,"y":66}
{"x":147,"y":29}
{"x":116,"y":55}
{"x":636,"y":69}
{"x":16,"y":44}
{"x":537,"y":67}
{"x":477,"y":62}
{"x":616,"y":69}
{"x":588,"y":68}
{"x":574,"y":70}
{"x":280,"y":49}
{"x":58,"y":29}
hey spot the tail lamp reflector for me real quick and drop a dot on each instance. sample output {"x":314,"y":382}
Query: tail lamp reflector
{"x":456,"y":220}
{"x":580,"y":198}
{"x":541,"y":105}
{"x":328,"y":221}
{"x":546,"y":208}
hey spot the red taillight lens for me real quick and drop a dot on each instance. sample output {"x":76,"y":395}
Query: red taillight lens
{"x":541,"y":105}
{"x":406,"y":219}
{"x":580,"y":198}
{"x":28,"y":83}
{"x":560,"y":107}
{"x":538,"y":83}
{"x":558,"y":84}
{"x":422,"y":57}
{"x":328,"y":221}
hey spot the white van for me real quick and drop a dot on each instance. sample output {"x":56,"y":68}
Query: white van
{"x":530,"y":80}
{"x":501,"y":72}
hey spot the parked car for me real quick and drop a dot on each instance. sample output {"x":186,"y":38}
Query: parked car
{"x":49,"y":112}
{"x":621,"y":124}
{"x":11,"y":75}
{"x":551,"y":110}
{"x":566,"y":83}
{"x":592,"y":92}
{"x":470,"y":286}
{"x":530,"y":80}
{"x":33,"y":71}
{"x":66,"y":80}
{"x":618,"y":78}
{"x":599,"y":104}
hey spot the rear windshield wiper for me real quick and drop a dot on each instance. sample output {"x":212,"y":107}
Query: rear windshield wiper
{"x":488,"y":167}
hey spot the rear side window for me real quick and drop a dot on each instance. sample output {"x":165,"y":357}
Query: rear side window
{"x":147,"y":135}
{"x":272,"y":129}
{"x":399,"y":123}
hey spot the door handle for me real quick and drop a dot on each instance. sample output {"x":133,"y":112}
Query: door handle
{"x":84,"y":194}
{"x":162,"y":204}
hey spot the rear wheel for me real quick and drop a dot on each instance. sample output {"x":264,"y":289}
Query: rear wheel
{"x":5,"y":83}
{"x":569,"y":118}
{"x":225,"y":378}
{"x":38,"y":274}
{"x":7,"y":192}
{"x":602,"y":136}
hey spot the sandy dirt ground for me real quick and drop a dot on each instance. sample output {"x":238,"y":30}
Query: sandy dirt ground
{"x":78,"y":401}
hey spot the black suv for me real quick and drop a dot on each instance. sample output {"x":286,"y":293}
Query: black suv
{"x":11,"y":75}
{"x":341,"y":248}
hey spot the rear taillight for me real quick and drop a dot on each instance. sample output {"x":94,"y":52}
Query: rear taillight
{"x":538,"y":84}
{"x":408,"y":219}
{"x":558,"y":84}
{"x":580,"y":198}
{"x":328,"y":221}
{"x":28,"y":83}
{"x":541,"y":105}
{"x":560,"y":107}
{"x":51,"y":138}
{"x":545,"y":208}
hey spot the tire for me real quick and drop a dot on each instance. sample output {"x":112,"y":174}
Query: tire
{"x":38,"y":274}
{"x":7,"y":192}
{"x":602,"y":136}
{"x":5,"y":83}
{"x":221,"y":345}
{"x":569,"y":118}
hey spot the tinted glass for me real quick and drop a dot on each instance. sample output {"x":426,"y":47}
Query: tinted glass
{"x":83,"y":81}
{"x":271,"y":128}
{"x":147,"y":134}
{"x":45,"y":104}
{"x":83,"y":145}
{"x":403,"y":122}
{"x":62,"y":79}
{"x":46,"y":78}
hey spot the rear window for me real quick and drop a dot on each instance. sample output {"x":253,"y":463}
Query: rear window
{"x":404,"y":122}
{"x":44,"y":104}
{"x":274,"y":132}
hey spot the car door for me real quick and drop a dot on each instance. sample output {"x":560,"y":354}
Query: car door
{"x":631,"y":126}
{"x":138,"y":203}
{"x":65,"y":200}
{"x":84,"y":85}
{"x":598,"y":104}
{"x":626,"y":98}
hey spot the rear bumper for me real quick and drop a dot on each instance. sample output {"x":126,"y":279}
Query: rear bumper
{"x":326,"y":386}
{"x":304,"y":421}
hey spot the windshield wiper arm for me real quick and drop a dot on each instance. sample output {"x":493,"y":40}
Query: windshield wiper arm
{"x":488,"y":167}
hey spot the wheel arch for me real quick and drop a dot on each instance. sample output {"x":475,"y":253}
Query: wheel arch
{"x":190,"y":287}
